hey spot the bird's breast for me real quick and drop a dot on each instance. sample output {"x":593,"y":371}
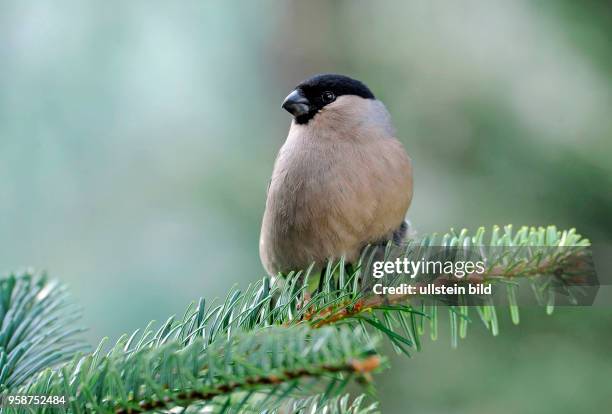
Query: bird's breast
{"x":324,"y":201}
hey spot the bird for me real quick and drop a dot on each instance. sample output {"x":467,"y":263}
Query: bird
{"x":340,"y":182}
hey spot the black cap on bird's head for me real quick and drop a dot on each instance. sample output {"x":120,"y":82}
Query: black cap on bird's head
{"x":311,"y":95}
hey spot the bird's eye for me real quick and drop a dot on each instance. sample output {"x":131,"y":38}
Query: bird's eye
{"x":328,"y":97}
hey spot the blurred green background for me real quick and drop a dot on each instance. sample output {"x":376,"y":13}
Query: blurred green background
{"x":137,"y":138}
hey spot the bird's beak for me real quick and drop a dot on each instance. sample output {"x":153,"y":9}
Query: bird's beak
{"x":296,"y":104}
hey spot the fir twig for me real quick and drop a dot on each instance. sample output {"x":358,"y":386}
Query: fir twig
{"x":273,"y":339}
{"x":173,"y":375}
{"x":36,"y":327}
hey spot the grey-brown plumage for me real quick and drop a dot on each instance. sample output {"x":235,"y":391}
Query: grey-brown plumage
{"x":340,"y":181}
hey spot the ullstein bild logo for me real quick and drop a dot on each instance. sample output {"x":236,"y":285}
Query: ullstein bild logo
{"x":484,"y":275}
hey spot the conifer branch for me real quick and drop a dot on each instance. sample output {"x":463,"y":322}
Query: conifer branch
{"x":276,"y":339}
{"x":135,"y":380}
{"x":546,"y":257}
{"x":36,"y":332}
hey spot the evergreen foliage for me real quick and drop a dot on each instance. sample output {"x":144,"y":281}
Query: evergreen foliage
{"x":275,"y":347}
{"x":36,"y":332}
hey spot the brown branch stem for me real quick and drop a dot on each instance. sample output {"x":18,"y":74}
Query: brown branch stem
{"x":344,"y":311}
{"x":185,"y":398}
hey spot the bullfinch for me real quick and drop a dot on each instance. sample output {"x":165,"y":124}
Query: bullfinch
{"x":340,"y":182}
